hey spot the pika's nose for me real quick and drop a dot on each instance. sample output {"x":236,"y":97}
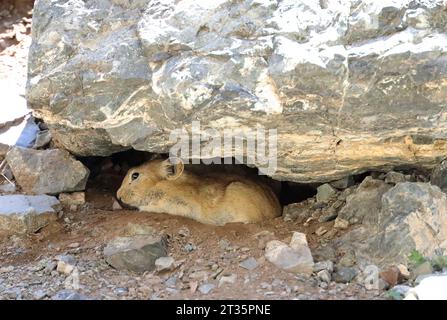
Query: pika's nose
{"x":122,"y":204}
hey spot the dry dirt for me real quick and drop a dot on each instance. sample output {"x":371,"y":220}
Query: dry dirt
{"x":205,"y":253}
{"x":84,"y":233}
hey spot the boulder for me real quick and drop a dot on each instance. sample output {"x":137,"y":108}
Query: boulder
{"x":26,"y":214}
{"x":47,"y":171}
{"x":356,"y":85}
{"x":413,"y":216}
{"x":364,"y":204}
{"x":137,"y":254}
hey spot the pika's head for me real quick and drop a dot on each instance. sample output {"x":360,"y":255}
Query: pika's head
{"x":139,"y":181}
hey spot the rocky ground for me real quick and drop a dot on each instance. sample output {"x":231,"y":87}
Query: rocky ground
{"x":209,"y":262}
{"x":67,"y":257}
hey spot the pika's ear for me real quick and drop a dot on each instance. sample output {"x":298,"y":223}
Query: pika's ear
{"x":173,"y":168}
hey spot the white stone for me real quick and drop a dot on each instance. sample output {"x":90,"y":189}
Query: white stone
{"x":227,"y":279}
{"x":297,"y":260}
{"x":431,"y":288}
{"x":164,"y":264}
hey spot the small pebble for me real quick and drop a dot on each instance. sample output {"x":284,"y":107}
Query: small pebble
{"x":206,"y":288}
{"x":249,"y":264}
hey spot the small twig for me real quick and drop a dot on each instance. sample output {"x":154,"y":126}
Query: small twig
{"x":8,"y":180}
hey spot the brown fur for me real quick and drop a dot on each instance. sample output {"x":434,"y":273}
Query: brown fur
{"x":217,"y":198}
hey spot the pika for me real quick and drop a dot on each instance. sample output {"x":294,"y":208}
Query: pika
{"x":215,"y":198}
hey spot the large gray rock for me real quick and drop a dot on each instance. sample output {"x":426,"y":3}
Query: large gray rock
{"x":137,"y":253}
{"x":26,"y":214}
{"x":413,"y":216}
{"x":350,"y":85}
{"x":365,"y":203}
{"x":47,"y":171}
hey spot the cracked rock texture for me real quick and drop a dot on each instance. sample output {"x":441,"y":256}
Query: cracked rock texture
{"x":26,"y":214}
{"x":47,"y":171}
{"x":349,"y":85}
{"x":410,"y":216}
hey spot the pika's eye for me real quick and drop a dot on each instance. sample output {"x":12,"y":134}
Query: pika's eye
{"x":135,"y":175}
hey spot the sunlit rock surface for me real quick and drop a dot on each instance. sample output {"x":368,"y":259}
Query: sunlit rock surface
{"x":349,"y":85}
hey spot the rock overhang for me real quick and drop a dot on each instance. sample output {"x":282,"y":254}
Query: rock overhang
{"x":349,"y":88}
